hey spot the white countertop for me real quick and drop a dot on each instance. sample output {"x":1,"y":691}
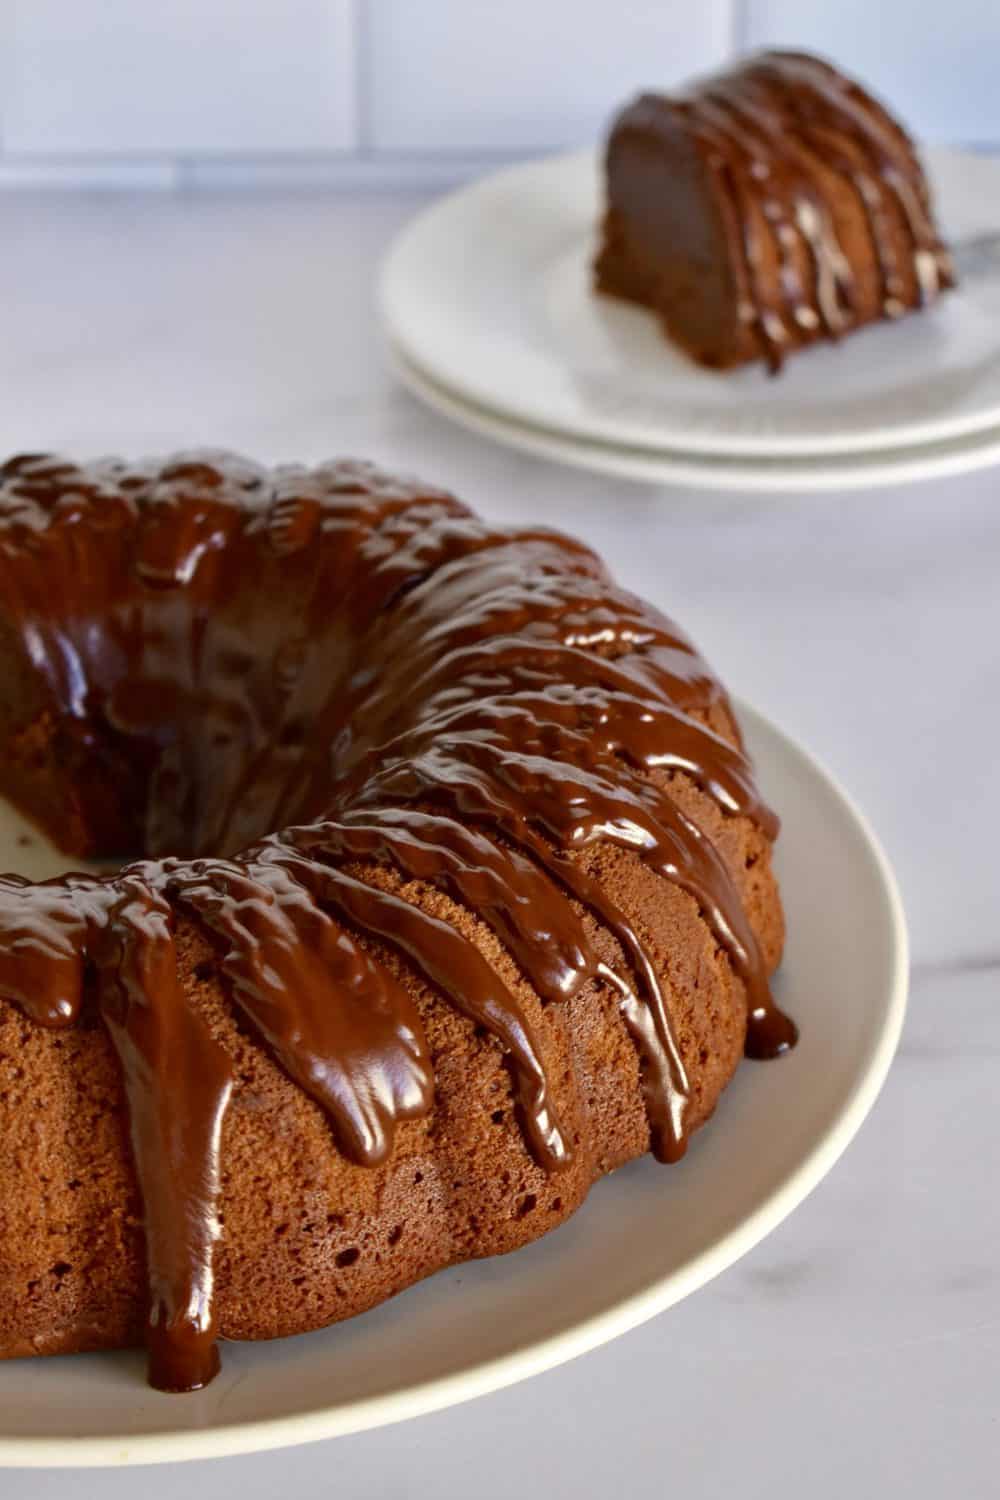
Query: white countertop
{"x":857,"y":1350}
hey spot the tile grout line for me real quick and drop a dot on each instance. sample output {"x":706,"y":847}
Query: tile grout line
{"x":739,"y":26}
{"x":363,"y":113}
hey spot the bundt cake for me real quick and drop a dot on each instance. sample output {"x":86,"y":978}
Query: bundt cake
{"x":450,"y":891}
{"x":764,"y":208}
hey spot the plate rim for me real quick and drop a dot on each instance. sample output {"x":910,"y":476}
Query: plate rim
{"x":672,"y":467}
{"x":392,"y":275}
{"x":600,"y":1328}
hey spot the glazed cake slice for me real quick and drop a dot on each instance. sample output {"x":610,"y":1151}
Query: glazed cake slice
{"x":765,"y":208}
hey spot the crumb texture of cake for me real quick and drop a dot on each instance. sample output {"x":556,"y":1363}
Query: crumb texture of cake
{"x":448,"y":890}
{"x":764,"y":208}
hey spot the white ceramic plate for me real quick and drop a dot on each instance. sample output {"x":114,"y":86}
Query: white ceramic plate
{"x":470,"y":1330}
{"x":800,"y":476}
{"x":489,"y":293}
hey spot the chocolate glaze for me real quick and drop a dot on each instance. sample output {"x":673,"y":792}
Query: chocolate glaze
{"x":362,"y":664}
{"x":773,"y":128}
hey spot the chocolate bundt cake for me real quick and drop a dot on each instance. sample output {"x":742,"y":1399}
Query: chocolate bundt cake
{"x":764,"y":208}
{"x":450,"y":891}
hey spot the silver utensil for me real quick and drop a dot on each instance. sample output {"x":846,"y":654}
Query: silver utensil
{"x":978,"y":255}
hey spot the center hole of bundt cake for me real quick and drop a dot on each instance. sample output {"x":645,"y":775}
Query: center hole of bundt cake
{"x":143,"y":756}
{"x":188,"y":787}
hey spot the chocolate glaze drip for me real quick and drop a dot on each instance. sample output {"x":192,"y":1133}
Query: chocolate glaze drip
{"x":775,"y":128}
{"x":177,"y":1078}
{"x":364,"y":665}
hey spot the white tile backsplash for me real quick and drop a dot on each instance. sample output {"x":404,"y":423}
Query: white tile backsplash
{"x":447,"y":76}
{"x":179,"y":76}
{"x":210,"y":93}
{"x":934,"y":66}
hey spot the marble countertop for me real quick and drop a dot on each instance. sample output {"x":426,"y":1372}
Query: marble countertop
{"x":857,"y":1350}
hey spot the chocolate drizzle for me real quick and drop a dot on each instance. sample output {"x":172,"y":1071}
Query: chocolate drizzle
{"x":785,"y":132}
{"x":368,"y":668}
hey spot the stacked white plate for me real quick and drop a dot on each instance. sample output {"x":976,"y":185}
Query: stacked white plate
{"x":491,"y":318}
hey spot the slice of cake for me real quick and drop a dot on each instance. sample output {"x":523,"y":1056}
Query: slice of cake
{"x":766,"y":207}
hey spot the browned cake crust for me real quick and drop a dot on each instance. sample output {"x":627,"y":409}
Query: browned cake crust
{"x":309,"y":1232}
{"x":308,"y":1237}
{"x":764,"y":208}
